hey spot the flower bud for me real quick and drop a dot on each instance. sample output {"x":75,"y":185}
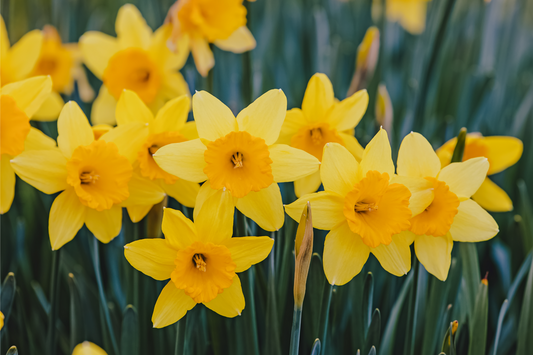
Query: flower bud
{"x":304,"y":251}
{"x":367,"y":58}
{"x":384,"y":114}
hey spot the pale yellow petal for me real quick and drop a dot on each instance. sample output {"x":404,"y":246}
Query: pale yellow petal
{"x":417,"y":158}
{"x":230,"y":302}
{"x":414,"y":16}
{"x":103,"y":110}
{"x":73,"y":129}
{"x":247,"y":251}
{"x":214,"y":219}
{"x":37,"y":140}
{"x":67,"y":216}
{"x":203,"y":56}
{"x":264,"y":207}
{"x":307,"y":185}
{"x":465,"y":178}
{"x":172,"y":116}
{"x":129,"y":139}
{"x":46,"y":170}
{"x":421,"y":192}
{"x":170,"y":59}
{"x":347,"y":113}
{"x":289,"y":164}
{"x":50,"y":109}
{"x":29,"y":94}
{"x":97,"y":48}
{"x":503,"y":152}
{"x":352,"y":144}
{"x":189,"y":130}
{"x":137,"y":213}
{"x":204,"y":194}
{"x":377,"y":155}
{"x":152,"y":256}
{"x":185,"y":160}
{"x":395,"y":258}
{"x":172,"y":304}
{"x":131,"y":28}
{"x":143,"y":191}
{"x":239,"y":41}
{"x":130,"y":108}
{"x":179,"y":231}
{"x":473,"y":224}
{"x":88,"y":348}
{"x":213,"y":119}
{"x":4,"y":39}
{"x":185,"y":192}
{"x":492,"y":197}
{"x":7,"y":182}
{"x":318,"y":98}
{"x":294,"y":121}
{"x":338,"y":170}
{"x":23,"y":56}
{"x":435,"y":253}
{"x":105,"y":225}
{"x":327,"y":209}
{"x":174,"y":85}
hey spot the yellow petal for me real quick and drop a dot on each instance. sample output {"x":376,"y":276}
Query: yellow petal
{"x":152,"y":256}
{"x":105,"y":225}
{"x":67,"y":216}
{"x":129,"y":139}
{"x":46,"y":170}
{"x":377,"y":155}
{"x":37,"y":140}
{"x":103,"y":111}
{"x":230,"y":302}
{"x":137,"y":213}
{"x":318,"y":98}
{"x":289,"y":164}
{"x":327,"y":209}
{"x":24,"y":55}
{"x":347,"y":113}
{"x":414,"y":16}
{"x":179,"y":231}
{"x":264,"y":117}
{"x":395,"y":258}
{"x":473,"y":224}
{"x":172,"y":116}
{"x":435,"y":253}
{"x":7,"y":182}
{"x":185,"y":192}
{"x":352,"y":144}
{"x":88,"y":348}
{"x":214,"y":219}
{"x":189,"y":130}
{"x":131,"y":28}
{"x":264,"y":207}
{"x":307,"y":185}
{"x":97,"y":48}
{"x":130,"y":108}
{"x":338,"y":170}
{"x":170,"y":59}
{"x":185,"y":160}
{"x":213,"y":119}
{"x":345,"y":254}
{"x":143,"y":191}
{"x":294,"y":120}
{"x":503,"y":152}
{"x":492,"y":197}
{"x":29,"y":94}
{"x":417,"y":158}
{"x":465,"y":178}
{"x":421,"y":192}
{"x":247,"y":251}
{"x":203,"y":57}
{"x":4,"y":39}
{"x":50,"y":109}
{"x":73,"y":128}
{"x":172,"y":304}
{"x":239,"y":41}
{"x":174,"y":85}
{"x":204,"y":194}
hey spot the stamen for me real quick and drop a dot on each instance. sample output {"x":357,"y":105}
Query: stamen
{"x":198,"y":260}
{"x":89,"y":177}
{"x":316,"y":135}
{"x":237,"y":159}
{"x":153,"y":149}
{"x":365,"y":207}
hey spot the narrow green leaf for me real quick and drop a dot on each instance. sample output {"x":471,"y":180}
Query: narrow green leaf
{"x":372,"y":351}
{"x":12,"y":351}
{"x":129,"y":341}
{"x":471,"y":274}
{"x":315,"y":350}
{"x":448,"y":344}
{"x":368,"y":294}
{"x":503,"y":311}
{"x":373,"y":336}
{"x":316,"y":281}
{"x":7,"y":295}
{"x":525,"y":327}
{"x":479,"y":321}
{"x":324,"y":316}
{"x":459,"y":147}
{"x":526,"y":214}
{"x":76,"y":314}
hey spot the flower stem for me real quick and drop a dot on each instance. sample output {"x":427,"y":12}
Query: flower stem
{"x":54,"y":298}
{"x":324,"y":316}
{"x":179,"y":349}
{"x":295,"y":331}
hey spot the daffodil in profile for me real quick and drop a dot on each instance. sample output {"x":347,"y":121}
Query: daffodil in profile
{"x":18,"y":103}
{"x":91,"y":174}
{"x":322,"y":119}
{"x":88,"y":348}
{"x":238,"y":158}
{"x":138,"y":60}
{"x":195,"y":24}
{"x":364,"y":210}
{"x":449,"y":215}
{"x":201,"y":259}
{"x":501,"y":152}
{"x":139,"y":136}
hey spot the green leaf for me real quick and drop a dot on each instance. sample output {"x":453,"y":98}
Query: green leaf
{"x":471,"y":274}
{"x":525,"y":327}
{"x":479,"y":321}
{"x":503,"y":311}
{"x":315,"y":350}
{"x":12,"y":351}
{"x":373,"y":336}
{"x":372,"y":351}
{"x":459,"y":147}
{"x":76,"y":314}
{"x":368,"y":294}
{"x":7,"y":295}
{"x":316,"y":281}
{"x":129,"y":341}
{"x":526,"y":214}
{"x":448,"y":344}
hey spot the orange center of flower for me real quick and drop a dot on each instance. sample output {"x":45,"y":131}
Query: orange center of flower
{"x":148,"y":166}
{"x":238,"y":162}
{"x":313,"y":138}
{"x":203,"y":270}
{"x":438,"y":217}
{"x":475,"y":147}
{"x":376,"y":210}
{"x":56,"y":61}
{"x":14,"y":126}
{"x":99,"y":175}
{"x":132,"y":69}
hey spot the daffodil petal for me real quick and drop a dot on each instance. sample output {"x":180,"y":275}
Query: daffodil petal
{"x":347,"y":113}
{"x":67,"y":216}
{"x":172,"y":304}
{"x":24,"y":54}
{"x":352,"y":144}
{"x":7,"y":182}
{"x":179,"y":231}
{"x":185,"y":160}
{"x":4,"y":39}
{"x":174,"y":85}
{"x":247,"y":251}
{"x":130,"y":108}
{"x":213,"y":119}
{"x":230,"y":302}
{"x":131,"y":28}
{"x":345,"y":254}
{"x":289,"y":164}
{"x":327,"y":209}
{"x":395,"y":258}
{"x":377,"y":155}
{"x":503,"y":152}
{"x":37,"y":140}
{"x":421,"y":192}
{"x":129,"y":138}
{"x":170,"y":59}
{"x":241,"y":40}
{"x":294,"y":120}
{"x":29,"y":94}
{"x":472,"y":223}
{"x":465,"y":178}
{"x":143,"y":191}
{"x":264,"y":117}
{"x":214,"y":219}
{"x":307,"y":185}
{"x":88,"y":348}
{"x":189,"y":130}
{"x":339,"y":169}
{"x":172,"y":116}
{"x":103,"y":111}
{"x":435,"y":253}
{"x":46,"y":170}
{"x":417,"y":158}
{"x":185,"y":192}
{"x":50,"y":109}
{"x":203,"y":56}
{"x":152,"y":256}
{"x":264,"y":207}
{"x":492,"y":197}
{"x":105,"y":225}
{"x":204,"y":194}
{"x":73,"y":128}
{"x":97,"y":48}
{"x":137,"y":213}
{"x":318,"y":98}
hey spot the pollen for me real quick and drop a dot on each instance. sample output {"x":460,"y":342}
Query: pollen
{"x":89,"y":177}
{"x":198,"y":260}
{"x":237,"y":159}
{"x":312,"y":138}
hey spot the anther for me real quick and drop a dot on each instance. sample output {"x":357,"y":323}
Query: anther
{"x":237,"y":158}
{"x":89,"y":177}
{"x":199,"y":262}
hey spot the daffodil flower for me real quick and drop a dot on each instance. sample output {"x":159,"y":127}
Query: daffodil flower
{"x":88,"y":348}
{"x":137,"y":60}
{"x":449,"y":214}
{"x":411,"y":14}
{"x":238,"y":158}
{"x":91,"y":173}
{"x":197,"y":23}
{"x":139,"y":135}
{"x":201,"y":260}
{"x":364,"y":209}
{"x":19,"y":102}
{"x":501,"y":152}
{"x":321,"y":120}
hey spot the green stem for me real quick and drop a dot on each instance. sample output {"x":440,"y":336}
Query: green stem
{"x":247,"y":79}
{"x":324,"y":316}
{"x":179,"y":349}
{"x":54,"y":298}
{"x":103,"y":301}
{"x":295,"y":331}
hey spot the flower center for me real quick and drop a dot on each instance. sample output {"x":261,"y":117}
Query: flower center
{"x":313,"y":138}
{"x":14,"y":126}
{"x":147,"y":164}
{"x":376,"y":210}
{"x":238,"y":162}
{"x":437,"y":218}
{"x":203,"y":270}
{"x":56,"y":61}
{"x":132,"y":69}
{"x":99,"y":175}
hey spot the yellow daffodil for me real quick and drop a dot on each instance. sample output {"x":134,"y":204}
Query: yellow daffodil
{"x":100,"y":129}
{"x":19,"y":101}
{"x":321,"y":120}
{"x":88,"y":348}
{"x":197,"y":23}
{"x":1,"y":320}
{"x":238,"y":158}
{"x":364,"y":209}
{"x":449,"y":214}
{"x":139,"y":135}
{"x":411,"y":14}
{"x":366,"y":60}
{"x":137,"y":60}
{"x":91,"y":173}
{"x":501,"y":152}
{"x":201,"y":260}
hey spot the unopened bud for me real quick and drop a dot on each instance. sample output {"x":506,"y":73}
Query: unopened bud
{"x":485,"y":280}
{"x":384,"y":112}
{"x":366,"y":61}
{"x":304,"y":251}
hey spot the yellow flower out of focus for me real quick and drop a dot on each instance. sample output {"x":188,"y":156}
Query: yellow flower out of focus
{"x":18,"y":103}
{"x":364,"y":209}
{"x":201,"y":260}
{"x":137,"y":60}
{"x":197,"y":23}
{"x":139,"y":136}
{"x":1,"y":320}
{"x":88,"y":348}
{"x":238,"y":158}
{"x":321,"y":120}
{"x":447,"y":212}
{"x":92,"y":174}
{"x":501,"y":152}
{"x":411,"y":14}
